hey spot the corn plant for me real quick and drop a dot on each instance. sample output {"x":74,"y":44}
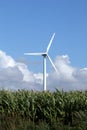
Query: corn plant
{"x":52,"y":108}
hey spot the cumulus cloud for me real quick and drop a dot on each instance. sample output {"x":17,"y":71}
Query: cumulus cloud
{"x":67,"y":77}
{"x":16,"y":75}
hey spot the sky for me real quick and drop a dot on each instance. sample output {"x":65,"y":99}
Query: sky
{"x":27,"y":26}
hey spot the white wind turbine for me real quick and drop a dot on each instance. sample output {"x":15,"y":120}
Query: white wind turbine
{"x":45,"y":54}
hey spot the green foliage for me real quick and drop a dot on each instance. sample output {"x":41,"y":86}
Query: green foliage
{"x":58,"y":110}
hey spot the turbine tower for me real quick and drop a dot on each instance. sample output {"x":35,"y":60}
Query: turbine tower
{"x":45,"y":55}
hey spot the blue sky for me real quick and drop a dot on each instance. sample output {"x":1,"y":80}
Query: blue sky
{"x":27,"y":26}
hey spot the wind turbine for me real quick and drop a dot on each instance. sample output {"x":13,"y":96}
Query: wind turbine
{"x":45,"y":55}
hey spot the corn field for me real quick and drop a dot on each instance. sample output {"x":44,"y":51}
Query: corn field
{"x":29,"y":110}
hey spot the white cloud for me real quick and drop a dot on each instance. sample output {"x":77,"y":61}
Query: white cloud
{"x":64,"y":69}
{"x":5,"y":60}
{"x":16,"y":75}
{"x":67,"y":77}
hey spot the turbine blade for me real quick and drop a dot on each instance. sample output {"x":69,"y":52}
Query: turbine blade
{"x":50,"y":43}
{"x":52,"y":63}
{"x":35,"y":54}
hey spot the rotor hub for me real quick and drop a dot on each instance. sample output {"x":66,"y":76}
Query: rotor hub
{"x":44,"y":55}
